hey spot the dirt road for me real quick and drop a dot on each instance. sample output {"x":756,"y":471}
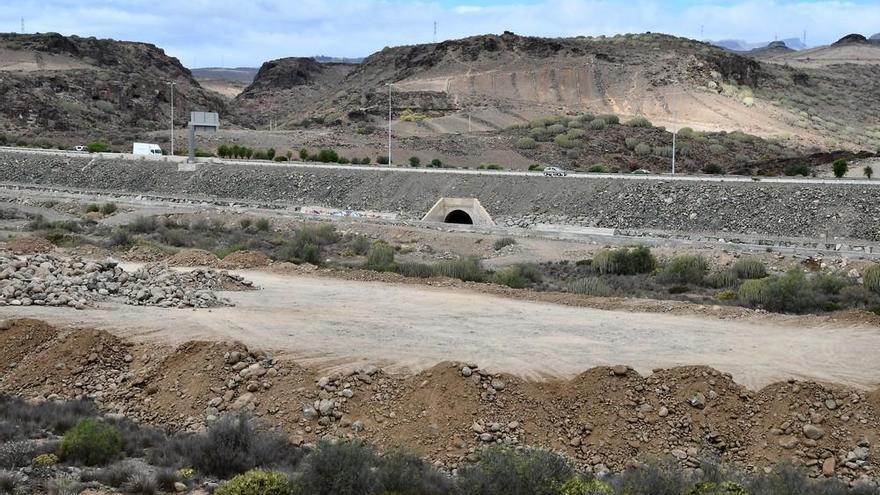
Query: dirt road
{"x":330,"y":322}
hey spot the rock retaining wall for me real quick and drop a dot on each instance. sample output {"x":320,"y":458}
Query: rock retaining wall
{"x":770,"y":209}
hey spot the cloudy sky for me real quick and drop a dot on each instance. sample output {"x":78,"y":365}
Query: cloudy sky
{"x":248,"y":32}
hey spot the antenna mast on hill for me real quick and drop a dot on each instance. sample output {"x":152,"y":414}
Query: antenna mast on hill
{"x":435,"y":31}
{"x":22,"y":25}
{"x":805,"y":38}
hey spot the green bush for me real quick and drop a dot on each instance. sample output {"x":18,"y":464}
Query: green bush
{"x":380,"y":256}
{"x":281,"y":158}
{"x":713,"y":169}
{"x":343,"y":468}
{"x":467,"y":270}
{"x":624,"y":261}
{"x":382,"y":160}
{"x":517,"y":276}
{"x":788,"y":293}
{"x":598,"y":124}
{"x":256,"y":482}
{"x":414,"y":161}
{"x":91,"y":442}
{"x":591,"y":286}
{"x":503,"y":243}
{"x":840,"y":167}
{"x":415,"y":270}
{"x":564,"y":141}
{"x":801,"y":169}
{"x":685,"y":269}
{"x":92,"y":208}
{"x":580,"y":486}
{"x":723,"y":279}
{"x":97,"y":147}
{"x":556,"y":129}
{"x":642,"y":149}
{"x":750,"y":268}
{"x":575,"y":133}
{"x":328,"y":156}
{"x":108,"y":208}
{"x":303,"y":154}
{"x":597,"y":169}
{"x":631,"y":143}
{"x":871,"y":278}
{"x":638,"y":122}
{"x":664,"y":151}
{"x":526,"y":143}
{"x":436,"y":163}
{"x":262,"y":224}
{"x":610,"y":118}
{"x":500,"y":471}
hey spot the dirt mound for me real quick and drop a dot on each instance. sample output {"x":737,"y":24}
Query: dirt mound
{"x":30,"y":245}
{"x":192,"y":257}
{"x":144,"y":253}
{"x":244,"y":259}
{"x":603,"y":419}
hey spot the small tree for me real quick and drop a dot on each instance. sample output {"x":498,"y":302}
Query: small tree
{"x":222,"y":151}
{"x":382,"y":160}
{"x":868,"y":171}
{"x":414,"y":161}
{"x":840,"y":167}
{"x":436,"y":163}
{"x":97,"y":147}
{"x":303,"y":154}
{"x":270,"y":153}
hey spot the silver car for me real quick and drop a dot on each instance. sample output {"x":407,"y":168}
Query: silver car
{"x":554,"y":172}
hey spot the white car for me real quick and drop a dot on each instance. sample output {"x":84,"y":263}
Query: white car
{"x":79,"y":149}
{"x":554,"y":172}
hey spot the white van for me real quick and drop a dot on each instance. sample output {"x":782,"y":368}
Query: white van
{"x":145,"y":149}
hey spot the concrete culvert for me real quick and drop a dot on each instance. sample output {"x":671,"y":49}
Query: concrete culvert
{"x":458,"y":216}
{"x":462,"y":211}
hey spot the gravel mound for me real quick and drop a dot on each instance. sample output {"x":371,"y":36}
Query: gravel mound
{"x":29,"y":245}
{"x":144,"y":254}
{"x":192,"y":257}
{"x":244,"y":259}
{"x":47,"y":280}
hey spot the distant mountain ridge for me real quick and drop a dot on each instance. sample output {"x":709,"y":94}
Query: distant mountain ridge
{"x":744,"y":46}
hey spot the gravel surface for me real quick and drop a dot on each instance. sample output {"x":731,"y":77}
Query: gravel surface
{"x":789,"y":210}
{"x":327,"y":321}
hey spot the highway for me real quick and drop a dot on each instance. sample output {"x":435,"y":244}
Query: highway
{"x":458,"y":171}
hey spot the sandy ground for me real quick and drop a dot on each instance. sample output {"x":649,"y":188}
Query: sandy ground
{"x":331,"y":322}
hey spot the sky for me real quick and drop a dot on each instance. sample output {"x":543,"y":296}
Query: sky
{"x":232,"y":33}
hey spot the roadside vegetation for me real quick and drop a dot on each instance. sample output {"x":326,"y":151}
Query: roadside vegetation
{"x":621,"y":272}
{"x":68,"y":447}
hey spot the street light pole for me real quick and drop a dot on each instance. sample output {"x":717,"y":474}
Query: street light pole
{"x":389,"y":123}
{"x":171,"y":83}
{"x":674,"y":134}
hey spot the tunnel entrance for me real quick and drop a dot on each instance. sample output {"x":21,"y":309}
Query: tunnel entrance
{"x":458,"y":216}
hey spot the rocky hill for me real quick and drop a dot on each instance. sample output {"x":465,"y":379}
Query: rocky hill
{"x":294,"y":84}
{"x":56,"y":86}
{"x":491,"y":82}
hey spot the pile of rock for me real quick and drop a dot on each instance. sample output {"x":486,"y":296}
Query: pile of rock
{"x":251,"y":371}
{"x":490,"y":384}
{"x":47,"y":280}
{"x":334,"y":391}
{"x":509,"y":433}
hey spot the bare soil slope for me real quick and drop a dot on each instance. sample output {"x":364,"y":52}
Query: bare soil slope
{"x":603,"y":418}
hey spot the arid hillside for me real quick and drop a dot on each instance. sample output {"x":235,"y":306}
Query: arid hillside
{"x":491,"y":82}
{"x":57,"y":87}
